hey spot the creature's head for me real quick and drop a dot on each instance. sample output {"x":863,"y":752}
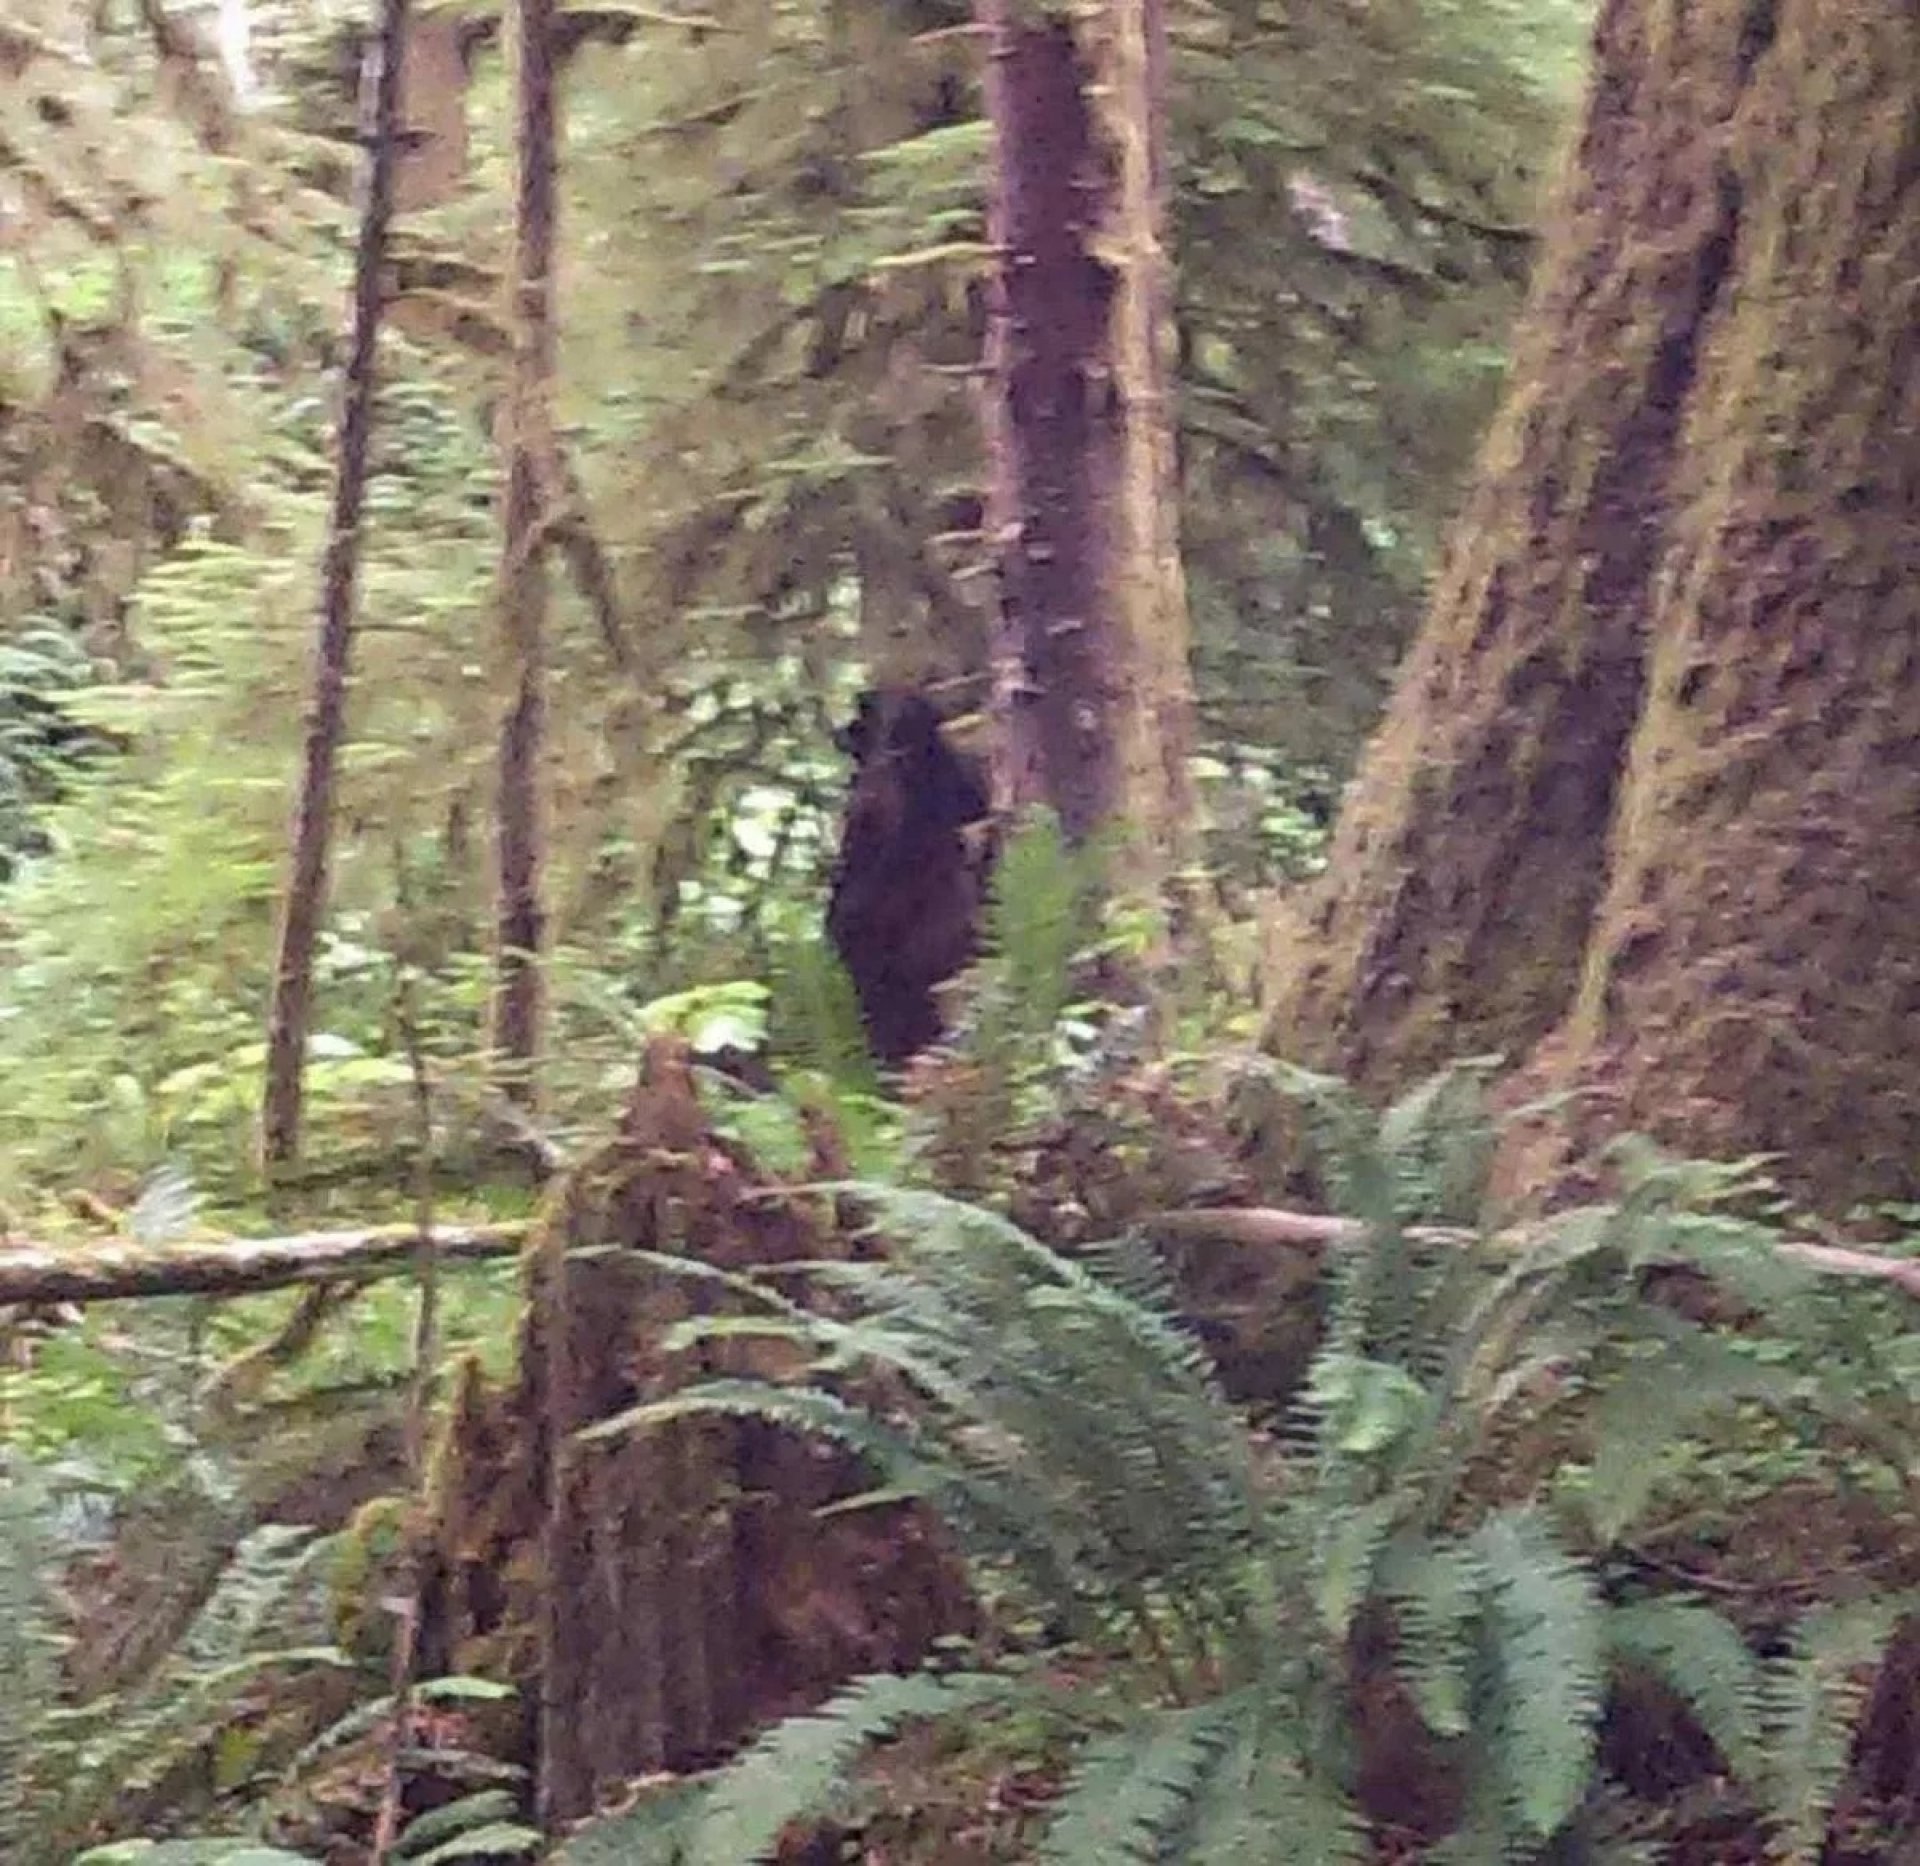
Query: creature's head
{"x":889,"y":722}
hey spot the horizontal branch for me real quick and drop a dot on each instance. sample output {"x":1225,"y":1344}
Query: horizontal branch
{"x":119,"y":1270}
{"x":1269,"y":1227}
{"x":112,"y":1272}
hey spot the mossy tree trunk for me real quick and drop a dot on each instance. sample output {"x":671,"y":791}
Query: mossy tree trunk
{"x":290,"y":1014}
{"x":1645,"y":801}
{"x":1094,"y":694}
{"x":528,"y":447}
{"x":1754,"y":970}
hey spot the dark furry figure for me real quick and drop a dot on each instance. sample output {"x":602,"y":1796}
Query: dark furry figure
{"x":909,"y":882}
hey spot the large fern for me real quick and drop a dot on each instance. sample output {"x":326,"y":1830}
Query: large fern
{"x":1071,"y":1431}
{"x":119,"y":1747}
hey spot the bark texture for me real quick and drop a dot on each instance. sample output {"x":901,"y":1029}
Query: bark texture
{"x":1754,"y":974}
{"x":658,"y":1595}
{"x":1472,"y":847}
{"x":1647,"y":801}
{"x":1092,"y":684}
{"x":521,"y":926}
{"x":290,"y":1013}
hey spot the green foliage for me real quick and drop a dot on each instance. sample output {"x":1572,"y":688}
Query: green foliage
{"x":757,"y":486}
{"x":797,"y":1768}
{"x":42,"y":747}
{"x":29,"y":1636}
{"x":1259,"y":1802}
{"x":478,"y":1826}
{"x":1812,"y":1700}
{"x":1071,"y":1434}
{"x":122,"y":1747}
{"x":1039,"y":920}
{"x":650,"y":1833}
{"x":1699,"y":1654}
{"x":1541,"y":1635}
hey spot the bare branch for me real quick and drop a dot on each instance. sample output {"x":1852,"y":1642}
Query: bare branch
{"x":1312,"y":1232}
{"x":116,"y":1271}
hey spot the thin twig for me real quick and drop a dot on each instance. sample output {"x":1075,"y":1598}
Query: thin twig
{"x":426,"y":1356}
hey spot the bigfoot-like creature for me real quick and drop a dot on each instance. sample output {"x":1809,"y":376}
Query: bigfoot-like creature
{"x":910,"y":878}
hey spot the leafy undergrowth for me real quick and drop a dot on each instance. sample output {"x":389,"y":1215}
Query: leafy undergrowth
{"x":1520,"y":1560}
{"x":1539,"y":1566}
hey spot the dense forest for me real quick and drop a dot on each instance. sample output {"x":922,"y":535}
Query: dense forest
{"x":951,"y":932}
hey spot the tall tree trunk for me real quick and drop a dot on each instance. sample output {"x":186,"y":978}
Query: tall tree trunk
{"x":291,"y":1010}
{"x":1472,"y":847}
{"x":1754,"y":971}
{"x":1093,"y":688}
{"x":1689,"y":556}
{"x":528,"y":438}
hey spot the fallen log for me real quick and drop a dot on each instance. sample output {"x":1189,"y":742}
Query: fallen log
{"x":121,"y":1268}
{"x":1310,"y":1232}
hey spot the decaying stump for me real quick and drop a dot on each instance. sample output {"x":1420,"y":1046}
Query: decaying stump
{"x":658,"y":1596}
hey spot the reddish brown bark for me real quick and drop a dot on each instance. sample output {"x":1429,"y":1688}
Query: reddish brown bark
{"x":1092,"y":685}
{"x":290,"y":1014}
{"x":521,"y":920}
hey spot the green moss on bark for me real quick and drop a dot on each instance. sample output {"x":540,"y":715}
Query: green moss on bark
{"x":1472,"y":851}
{"x":1754,"y":974}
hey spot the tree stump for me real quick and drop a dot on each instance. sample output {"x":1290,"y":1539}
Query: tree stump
{"x":657,"y":1596}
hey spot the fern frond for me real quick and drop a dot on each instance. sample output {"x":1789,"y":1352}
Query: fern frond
{"x":1346,"y":1134}
{"x":254,"y":1589}
{"x":1699,"y":1654}
{"x":1261,"y":1805}
{"x":136,"y":1739}
{"x":1437,"y":1591}
{"x":652,"y":1832}
{"x":1544,"y":1639}
{"x":1438,"y":1139}
{"x":478,"y":1825}
{"x":1812,"y":1701}
{"x":797,"y":1769}
{"x":1347,"y":1547}
{"x":1130,"y":1790}
{"x":489,"y":1840}
{"x":1071,"y":1374}
{"x":1426,"y":1156}
{"x":1037,"y":921}
{"x":1663,"y":1392}
{"x":805,"y":1410}
{"x":819,"y":1019}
